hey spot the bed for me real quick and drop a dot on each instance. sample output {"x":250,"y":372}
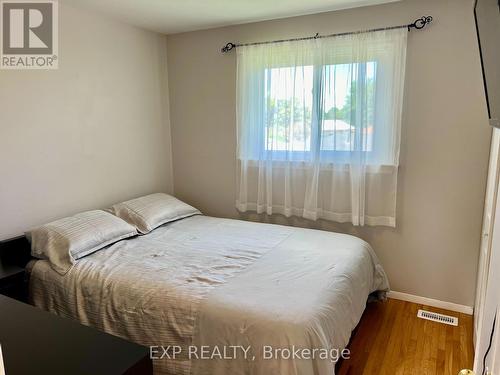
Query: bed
{"x":219,"y":296}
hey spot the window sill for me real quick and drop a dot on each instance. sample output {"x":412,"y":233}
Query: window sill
{"x":341,"y":167}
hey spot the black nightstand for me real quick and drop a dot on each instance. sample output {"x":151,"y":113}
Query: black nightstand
{"x":14,"y":254}
{"x":12,"y":281}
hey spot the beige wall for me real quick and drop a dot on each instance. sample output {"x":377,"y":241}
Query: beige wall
{"x":445,"y":142}
{"x":92,"y":133}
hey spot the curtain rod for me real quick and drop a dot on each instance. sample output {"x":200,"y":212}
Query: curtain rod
{"x":418,"y":24}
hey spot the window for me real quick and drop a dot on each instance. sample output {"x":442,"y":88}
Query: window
{"x":292,"y":94}
{"x":340,"y":110}
{"x":319,"y":127}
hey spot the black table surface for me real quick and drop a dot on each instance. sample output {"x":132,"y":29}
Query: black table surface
{"x":36,"y":342}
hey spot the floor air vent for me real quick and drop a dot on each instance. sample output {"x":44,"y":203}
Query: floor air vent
{"x":440,"y":318}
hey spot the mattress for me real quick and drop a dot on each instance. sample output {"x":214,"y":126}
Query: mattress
{"x":220,"y":296}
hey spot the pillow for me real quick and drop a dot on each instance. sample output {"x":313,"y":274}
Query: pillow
{"x":63,"y":241}
{"x":149,"y":212}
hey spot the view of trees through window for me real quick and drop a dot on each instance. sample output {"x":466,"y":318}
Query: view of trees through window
{"x":341,"y":98}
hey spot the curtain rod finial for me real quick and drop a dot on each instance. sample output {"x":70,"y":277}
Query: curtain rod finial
{"x":228,"y":47}
{"x":420,"y":23}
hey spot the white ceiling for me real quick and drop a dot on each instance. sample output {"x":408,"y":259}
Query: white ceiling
{"x":174,"y":16}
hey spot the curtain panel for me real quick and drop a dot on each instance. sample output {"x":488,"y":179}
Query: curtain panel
{"x":318,"y":127}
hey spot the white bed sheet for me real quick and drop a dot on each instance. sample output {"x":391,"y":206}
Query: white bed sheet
{"x":211,"y":283}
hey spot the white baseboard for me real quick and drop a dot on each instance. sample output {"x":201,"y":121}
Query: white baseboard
{"x":431,"y":302}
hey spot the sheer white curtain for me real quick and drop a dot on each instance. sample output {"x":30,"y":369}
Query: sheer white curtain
{"x":319,"y":127}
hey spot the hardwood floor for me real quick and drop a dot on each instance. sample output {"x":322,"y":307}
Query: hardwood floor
{"x":390,"y":339}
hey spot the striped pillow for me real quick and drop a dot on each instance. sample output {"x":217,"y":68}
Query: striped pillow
{"x":63,"y":241}
{"x":149,"y":212}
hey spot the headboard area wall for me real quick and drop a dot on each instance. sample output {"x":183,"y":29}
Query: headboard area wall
{"x":92,"y":133}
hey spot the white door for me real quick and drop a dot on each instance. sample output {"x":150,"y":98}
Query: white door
{"x":488,"y":283}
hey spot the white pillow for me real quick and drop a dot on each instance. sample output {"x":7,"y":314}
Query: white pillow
{"x":63,"y":241}
{"x":149,"y":212}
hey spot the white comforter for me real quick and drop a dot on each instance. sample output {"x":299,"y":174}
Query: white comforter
{"x":210,"y":287}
